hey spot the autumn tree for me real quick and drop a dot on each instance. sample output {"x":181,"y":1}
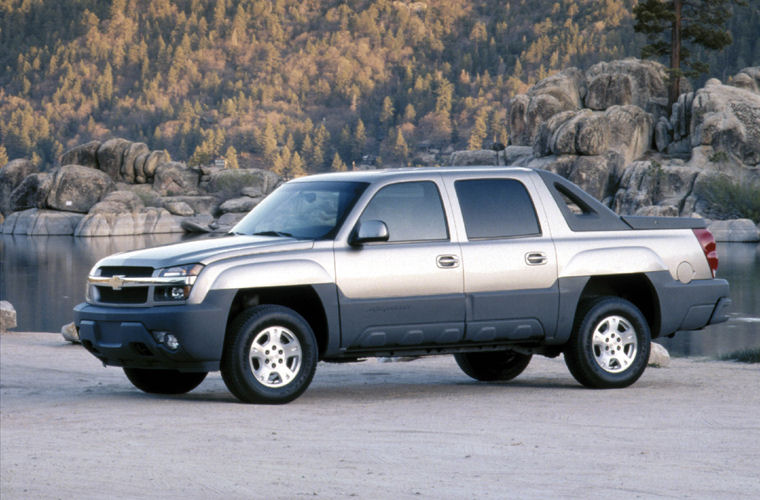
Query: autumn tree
{"x":674,"y":27}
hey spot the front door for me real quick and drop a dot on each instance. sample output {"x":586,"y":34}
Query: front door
{"x":407,"y":291}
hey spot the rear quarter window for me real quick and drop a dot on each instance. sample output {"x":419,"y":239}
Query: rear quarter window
{"x":496,"y":208}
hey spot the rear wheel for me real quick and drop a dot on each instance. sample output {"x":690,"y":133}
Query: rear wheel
{"x":164,"y":381}
{"x":270,"y":357}
{"x":492,"y":365}
{"x":609,"y":347}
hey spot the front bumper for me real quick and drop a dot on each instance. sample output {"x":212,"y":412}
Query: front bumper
{"x":121,"y":336}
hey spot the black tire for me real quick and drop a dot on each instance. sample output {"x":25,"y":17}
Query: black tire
{"x":267,"y":373}
{"x":164,"y":381}
{"x":493,"y":365}
{"x":620,"y":353}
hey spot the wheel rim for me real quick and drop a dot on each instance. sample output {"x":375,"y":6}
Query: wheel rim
{"x":614,"y":344}
{"x":275,"y":356}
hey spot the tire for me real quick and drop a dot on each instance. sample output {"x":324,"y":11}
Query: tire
{"x":494,"y":365}
{"x":164,"y":381}
{"x":609,"y":346}
{"x":270,"y":355}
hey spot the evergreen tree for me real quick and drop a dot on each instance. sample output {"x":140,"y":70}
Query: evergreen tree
{"x":231,"y":157}
{"x":669,"y":23}
{"x":337,"y":164}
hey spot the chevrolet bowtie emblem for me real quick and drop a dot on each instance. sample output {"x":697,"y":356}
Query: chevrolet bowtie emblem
{"x":116,"y":282}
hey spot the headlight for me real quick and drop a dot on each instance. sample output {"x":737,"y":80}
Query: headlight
{"x":180,"y":290}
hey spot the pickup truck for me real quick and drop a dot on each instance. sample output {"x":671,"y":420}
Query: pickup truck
{"x":492,"y":265}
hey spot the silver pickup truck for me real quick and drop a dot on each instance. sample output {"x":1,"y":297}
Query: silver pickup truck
{"x":491,"y":265}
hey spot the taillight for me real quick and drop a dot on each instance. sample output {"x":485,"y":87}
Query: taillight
{"x":707,"y":242}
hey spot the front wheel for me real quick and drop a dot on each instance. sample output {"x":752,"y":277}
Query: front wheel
{"x":609,"y":347}
{"x":492,"y":366}
{"x":270,"y":356}
{"x":164,"y":381}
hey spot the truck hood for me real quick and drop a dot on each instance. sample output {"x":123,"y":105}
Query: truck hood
{"x":204,"y":251}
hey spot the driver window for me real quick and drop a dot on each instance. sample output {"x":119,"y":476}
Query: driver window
{"x":413,"y":211}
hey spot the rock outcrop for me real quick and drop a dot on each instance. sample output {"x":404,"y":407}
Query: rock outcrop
{"x":11,"y":176}
{"x":120,"y":187}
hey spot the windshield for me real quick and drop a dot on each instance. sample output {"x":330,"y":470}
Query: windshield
{"x":304,"y":210}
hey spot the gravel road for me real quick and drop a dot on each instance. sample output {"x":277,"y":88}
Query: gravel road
{"x":70,"y":428}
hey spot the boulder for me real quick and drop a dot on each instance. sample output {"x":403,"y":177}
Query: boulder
{"x":134,"y":150}
{"x":118,"y":202}
{"x":630,"y":131}
{"x":70,"y":333}
{"x":111,"y":156}
{"x":84,"y":154}
{"x":728,"y":119}
{"x":31,"y":193}
{"x":518,"y":155}
{"x":197,"y":224}
{"x":144,"y":221}
{"x":471,"y":158}
{"x":12,"y":174}
{"x":198,"y":204}
{"x":76,"y":189}
{"x":7,"y":316}
{"x":663,"y":134}
{"x":175,"y":178}
{"x":179,"y":208}
{"x":591,"y":173}
{"x":243,"y":204}
{"x":646,"y":184}
{"x":573,"y":132}
{"x":140,"y":177}
{"x":680,"y":117}
{"x":561,"y":92}
{"x":229,"y":183}
{"x":748,"y":79}
{"x":35,"y":222}
{"x":154,"y":159}
{"x":628,"y":81}
{"x":735,"y":230}
{"x":659,"y":357}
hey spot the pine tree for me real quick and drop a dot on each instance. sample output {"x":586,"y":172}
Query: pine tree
{"x":669,"y":23}
{"x":337,"y":164}
{"x":231,"y":157}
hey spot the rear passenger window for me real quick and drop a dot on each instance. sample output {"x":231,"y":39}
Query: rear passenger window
{"x":412,"y":211}
{"x":496,"y":208}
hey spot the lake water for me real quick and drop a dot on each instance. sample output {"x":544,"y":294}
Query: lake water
{"x":44,"y":278}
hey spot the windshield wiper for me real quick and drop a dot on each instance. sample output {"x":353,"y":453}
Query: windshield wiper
{"x":273,"y":233}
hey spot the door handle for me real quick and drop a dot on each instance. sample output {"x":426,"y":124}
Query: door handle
{"x":535,"y":258}
{"x":447,"y":261}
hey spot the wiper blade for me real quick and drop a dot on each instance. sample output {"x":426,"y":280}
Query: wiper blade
{"x":273,"y":233}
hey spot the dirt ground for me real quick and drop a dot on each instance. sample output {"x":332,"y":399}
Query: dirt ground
{"x":70,"y":428}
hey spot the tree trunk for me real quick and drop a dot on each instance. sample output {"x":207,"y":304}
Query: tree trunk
{"x":675,"y":55}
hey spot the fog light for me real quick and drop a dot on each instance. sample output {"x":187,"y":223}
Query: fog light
{"x":158,"y":336}
{"x":178,"y":293}
{"x":171,"y":342}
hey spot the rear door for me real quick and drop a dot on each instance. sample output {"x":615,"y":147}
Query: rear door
{"x":510,"y":264}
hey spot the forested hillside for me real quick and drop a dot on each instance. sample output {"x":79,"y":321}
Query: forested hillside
{"x":297,"y":84}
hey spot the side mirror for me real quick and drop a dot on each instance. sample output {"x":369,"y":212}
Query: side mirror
{"x":369,"y":231}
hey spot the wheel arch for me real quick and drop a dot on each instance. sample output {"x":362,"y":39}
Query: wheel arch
{"x":635,"y":288}
{"x":312,"y":302}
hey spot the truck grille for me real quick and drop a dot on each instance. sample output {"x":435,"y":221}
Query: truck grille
{"x":131,"y":295}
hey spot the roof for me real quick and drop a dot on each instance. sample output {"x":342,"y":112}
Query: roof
{"x":389,"y":173}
